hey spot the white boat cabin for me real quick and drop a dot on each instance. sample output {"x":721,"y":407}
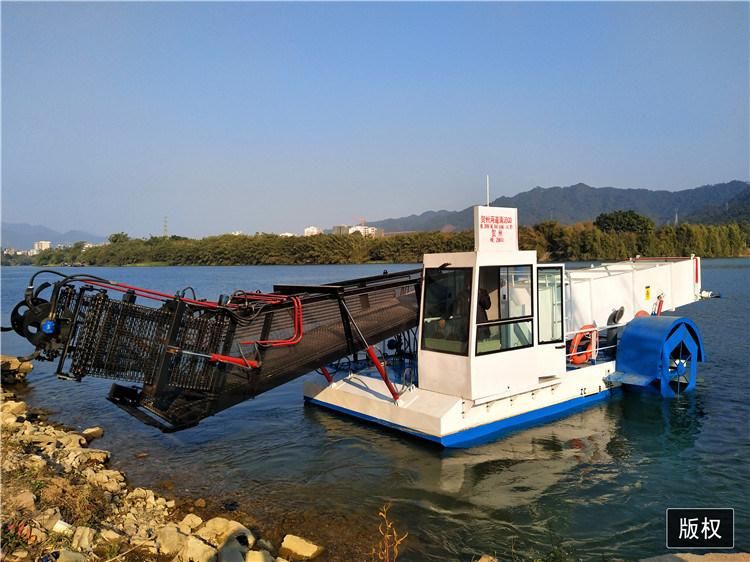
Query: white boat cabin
{"x":493,"y":320}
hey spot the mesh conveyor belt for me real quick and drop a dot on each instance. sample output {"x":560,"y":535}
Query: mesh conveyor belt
{"x":379,"y":314}
{"x":183,"y":352}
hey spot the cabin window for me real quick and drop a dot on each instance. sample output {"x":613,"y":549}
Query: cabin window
{"x":447,"y":309}
{"x":504,"y":309}
{"x":550,"y":302}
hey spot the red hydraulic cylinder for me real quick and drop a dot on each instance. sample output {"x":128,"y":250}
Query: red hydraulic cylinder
{"x":217,"y":358}
{"x":326,"y":374}
{"x":381,"y":370}
{"x":234,"y":360}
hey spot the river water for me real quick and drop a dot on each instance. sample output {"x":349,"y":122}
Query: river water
{"x":592,"y":485}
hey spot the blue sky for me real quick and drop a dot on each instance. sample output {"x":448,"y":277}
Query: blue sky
{"x":272,"y":117}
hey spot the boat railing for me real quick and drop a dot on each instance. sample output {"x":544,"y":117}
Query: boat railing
{"x":603,"y":335}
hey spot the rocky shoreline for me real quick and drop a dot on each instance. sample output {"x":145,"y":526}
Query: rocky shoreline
{"x":62,"y":502}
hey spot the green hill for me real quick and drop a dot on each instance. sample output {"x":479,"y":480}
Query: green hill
{"x":581,"y":202}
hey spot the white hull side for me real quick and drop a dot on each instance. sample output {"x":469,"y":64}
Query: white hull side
{"x":455,"y":422}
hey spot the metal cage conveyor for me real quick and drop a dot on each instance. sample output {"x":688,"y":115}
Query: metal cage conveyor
{"x":186,"y":359}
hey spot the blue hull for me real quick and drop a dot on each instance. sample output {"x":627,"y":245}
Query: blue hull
{"x":488,"y":432}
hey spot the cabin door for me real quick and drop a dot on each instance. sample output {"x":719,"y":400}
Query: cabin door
{"x":550,"y":313}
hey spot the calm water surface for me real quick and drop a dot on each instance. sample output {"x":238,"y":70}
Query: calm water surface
{"x":595,"y":484}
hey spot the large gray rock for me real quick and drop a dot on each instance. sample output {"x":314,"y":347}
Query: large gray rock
{"x":92,"y":433}
{"x":93,"y":456}
{"x":72,"y":441}
{"x":139,"y":493}
{"x":298,"y":548}
{"x":233,"y":552}
{"x":236,"y":547}
{"x":78,"y":457}
{"x":195,"y":550}
{"x":170,"y":540}
{"x":13,"y":407}
{"x":9,"y":421}
{"x":220,"y":532}
{"x":190,"y":522}
{"x":10,"y":365}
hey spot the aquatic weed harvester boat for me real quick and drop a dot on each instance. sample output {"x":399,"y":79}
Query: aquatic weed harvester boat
{"x":470,"y":346}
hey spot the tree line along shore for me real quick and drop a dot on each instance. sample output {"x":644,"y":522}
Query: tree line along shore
{"x":612,"y":236}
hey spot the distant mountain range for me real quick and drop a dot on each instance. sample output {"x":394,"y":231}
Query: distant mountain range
{"x":22,"y":236}
{"x":716,"y":203}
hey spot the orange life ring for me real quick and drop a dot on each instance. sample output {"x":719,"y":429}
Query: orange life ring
{"x":578,"y":357}
{"x":641,"y":313}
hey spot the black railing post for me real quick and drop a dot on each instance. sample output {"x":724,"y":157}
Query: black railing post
{"x":345,"y":320}
{"x":160,"y":377}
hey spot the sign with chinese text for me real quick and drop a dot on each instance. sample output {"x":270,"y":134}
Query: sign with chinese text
{"x":700,"y":528}
{"x":495,"y":229}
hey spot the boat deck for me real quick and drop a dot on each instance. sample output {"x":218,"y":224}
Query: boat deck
{"x":419,"y":412}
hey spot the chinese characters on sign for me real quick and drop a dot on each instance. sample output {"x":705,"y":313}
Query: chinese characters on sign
{"x":497,"y":225}
{"x":700,"y":528}
{"x":709,"y":528}
{"x":495,"y":229}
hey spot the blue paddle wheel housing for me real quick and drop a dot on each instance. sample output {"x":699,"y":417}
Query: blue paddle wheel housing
{"x":663,"y":349}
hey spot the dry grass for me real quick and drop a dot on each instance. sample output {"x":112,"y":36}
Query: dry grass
{"x":79,"y":502}
{"x":387,"y":547}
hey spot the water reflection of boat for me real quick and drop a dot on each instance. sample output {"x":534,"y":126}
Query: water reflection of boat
{"x":516,"y":470}
{"x":506,"y":473}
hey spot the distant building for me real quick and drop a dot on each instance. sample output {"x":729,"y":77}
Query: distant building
{"x":341,"y":229}
{"x":236,"y":233}
{"x":39,"y":246}
{"x":365,"y":230}
{"x":286,"y":234}
{"x":312,"y":231}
